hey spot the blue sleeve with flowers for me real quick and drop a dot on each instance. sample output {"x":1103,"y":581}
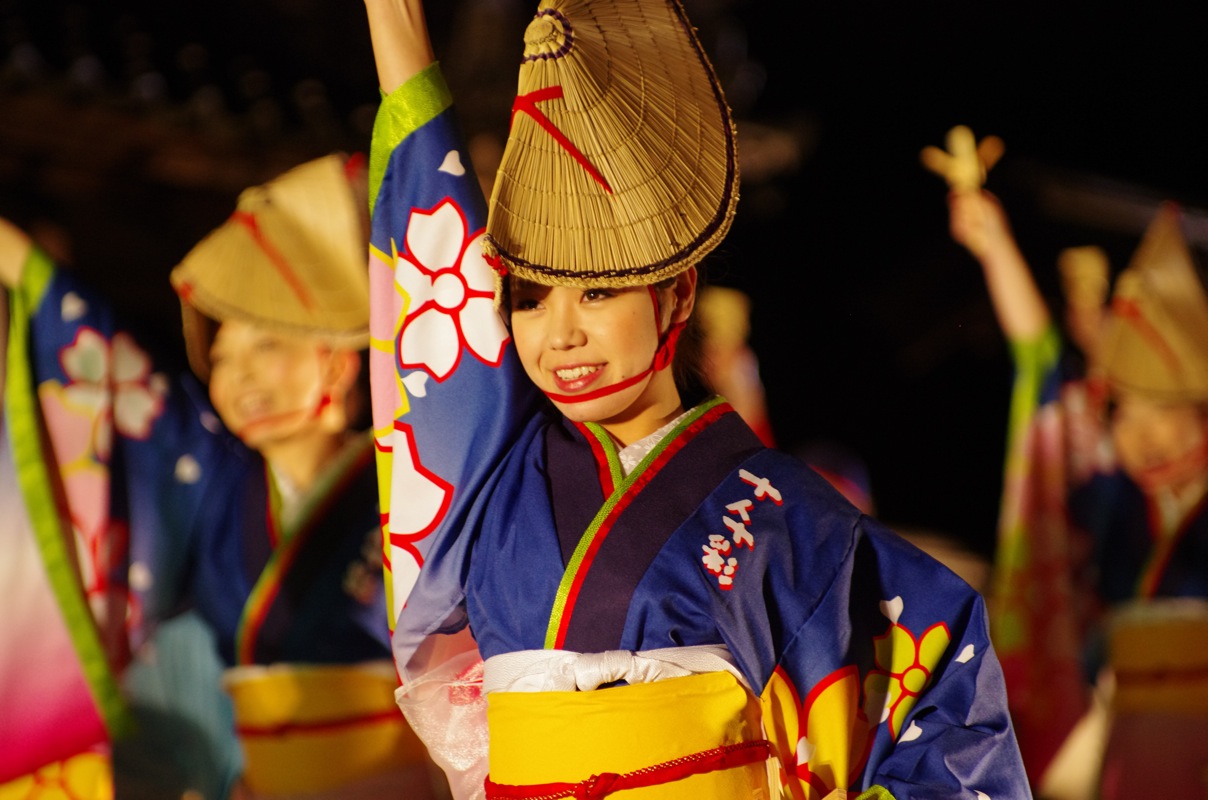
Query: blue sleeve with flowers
{"x":449,"y":395}
{"x":880,"y":675}
{"x":134,"y":441}
{"x":113,"y":447}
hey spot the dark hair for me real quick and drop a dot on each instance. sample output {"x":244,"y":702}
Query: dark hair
{"x":688,"y":366}
{"x":358,"y":409}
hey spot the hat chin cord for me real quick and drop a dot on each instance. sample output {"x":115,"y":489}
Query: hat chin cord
{"x":1194,"y":461}
{"x":305,"y":414}
{"x":318,"y":412}
{"x":663,"y":357}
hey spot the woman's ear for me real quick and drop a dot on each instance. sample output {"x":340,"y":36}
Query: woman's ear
{"x":343,"y":366}
{"x":339,"y":379}
{"x":685,"y":295}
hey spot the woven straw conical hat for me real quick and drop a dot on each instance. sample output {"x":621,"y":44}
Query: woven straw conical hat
{"x":1157,"y":341}
{"x":293,"y":257}
{"x":620,"y":166}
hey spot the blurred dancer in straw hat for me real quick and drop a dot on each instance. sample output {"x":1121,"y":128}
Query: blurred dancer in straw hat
{"x":262,"y":518}
{"x":603,"y":582}
{"x":275,"y":312}
{"x":1108,"y":466}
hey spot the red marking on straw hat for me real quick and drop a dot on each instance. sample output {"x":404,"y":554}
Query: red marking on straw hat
{"x":249,"y":221}
{"x":1131,"y":312}
{"x":527,"y":103}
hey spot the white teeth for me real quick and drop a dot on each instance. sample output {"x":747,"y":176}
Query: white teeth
{"x":251,"y":405}
{"x":574,"y":374}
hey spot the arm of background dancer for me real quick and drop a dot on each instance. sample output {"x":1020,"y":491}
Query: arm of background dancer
{"x":401,"y":45}
{"x":14,"y":250}
{"x":978,"y":222}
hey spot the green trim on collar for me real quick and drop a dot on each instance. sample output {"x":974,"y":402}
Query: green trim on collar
{"x":579,"y":557}
{"x":291,"y":535}
{"x":609,"y":447}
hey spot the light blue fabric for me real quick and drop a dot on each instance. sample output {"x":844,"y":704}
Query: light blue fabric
{"x":184,"y":738}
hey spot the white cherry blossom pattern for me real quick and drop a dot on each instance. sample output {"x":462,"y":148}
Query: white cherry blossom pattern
{"x":188,"y":470}
{"x":110,"y":387}
{"x":452,"y":164}
{"x":112,"y":383}
{"x":138,"y":396}
{"x":416,"y":383}
{"x":451,"y":295}
{"x":418,"y":501}
{"x":72,"y":307}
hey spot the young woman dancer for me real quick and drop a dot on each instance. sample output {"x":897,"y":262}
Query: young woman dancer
{"x":602,"y":583}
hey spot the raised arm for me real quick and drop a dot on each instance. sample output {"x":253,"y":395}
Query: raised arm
{"x":978,"y":221}
{"x":450,"y":398}
{"x":401,"y":46}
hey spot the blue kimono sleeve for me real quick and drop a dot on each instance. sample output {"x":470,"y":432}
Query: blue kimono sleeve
{"x":117,"y":446}
{"x":134,"y":440}
{"x":875,"y":662}
{"x":450,"y":399}
{"x":931,"y":692}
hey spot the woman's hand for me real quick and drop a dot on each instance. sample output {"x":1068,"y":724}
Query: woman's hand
{"x":966,"y":161}
{"x":977,"y":221}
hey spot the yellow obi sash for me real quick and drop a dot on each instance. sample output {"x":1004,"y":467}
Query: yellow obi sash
{"x":590,"y":743}
{"x":310,"y":729}
{"x":1159,"y":652}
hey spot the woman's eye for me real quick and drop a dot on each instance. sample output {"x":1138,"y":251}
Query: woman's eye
{"x":591,"y":295}
{"x":524,"y":304}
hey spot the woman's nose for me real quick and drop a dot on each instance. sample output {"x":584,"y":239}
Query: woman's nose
{"x":240,"y":370}
{"x":564,"y":329}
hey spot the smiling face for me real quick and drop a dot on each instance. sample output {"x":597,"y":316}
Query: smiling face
{"x":268,"y":387}
{"x":1160,"y":445}
{"x":591,"y":351}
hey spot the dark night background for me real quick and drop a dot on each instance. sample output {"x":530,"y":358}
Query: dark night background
{"x":133,"y":125}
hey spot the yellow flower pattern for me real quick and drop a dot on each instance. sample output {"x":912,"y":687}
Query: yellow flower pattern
{"x":823,"y":742}
{"x":824,"y":745}
{"x":906,"y":664}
